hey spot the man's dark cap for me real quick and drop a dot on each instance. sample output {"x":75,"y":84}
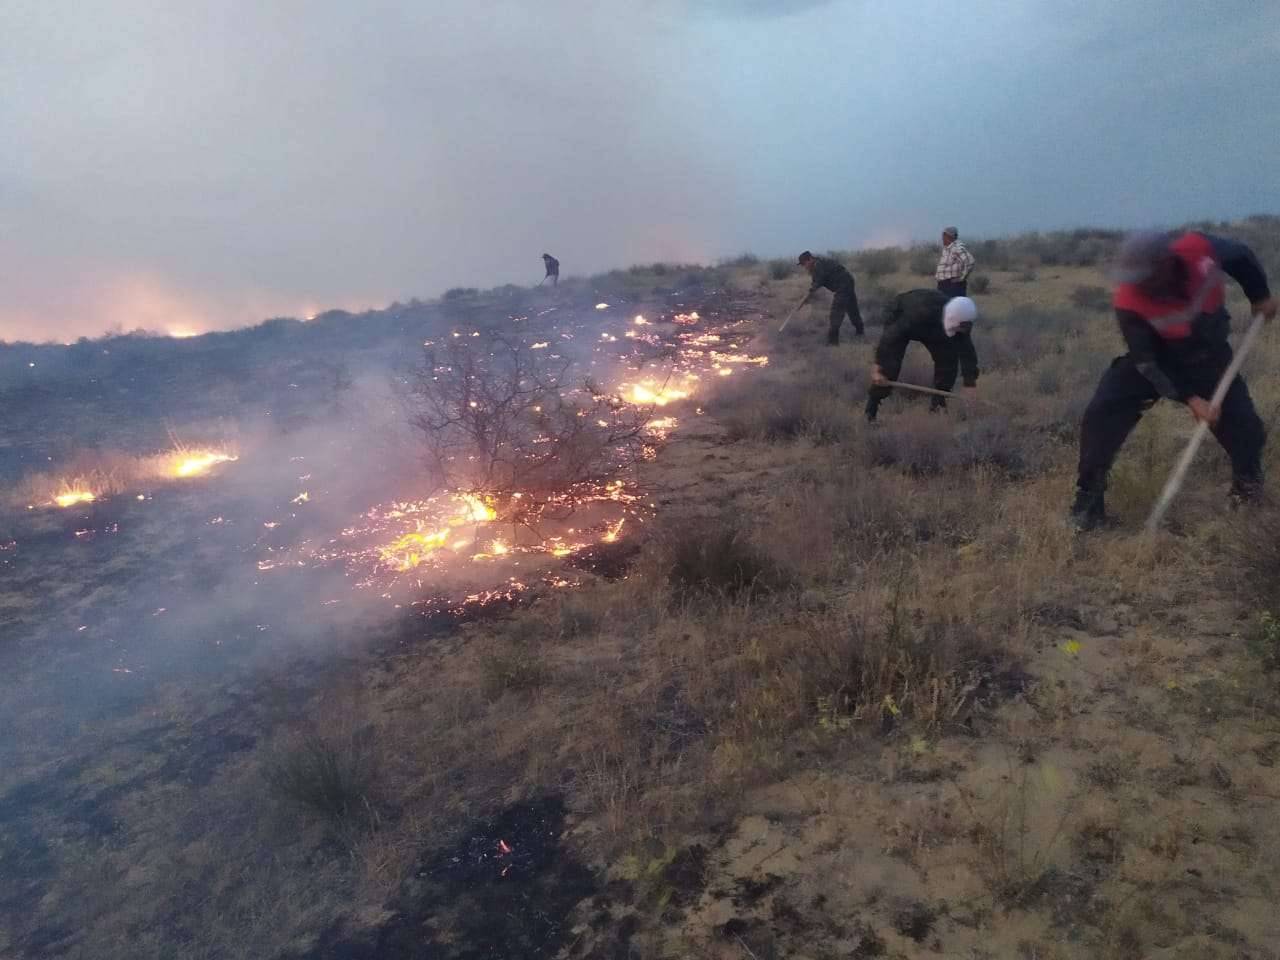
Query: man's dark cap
{"x":804,"y":258}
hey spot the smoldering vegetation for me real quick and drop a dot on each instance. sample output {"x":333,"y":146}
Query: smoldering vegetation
{"x":836,"y":625}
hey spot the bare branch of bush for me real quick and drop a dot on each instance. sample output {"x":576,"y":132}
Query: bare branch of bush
{"x":501,"y":419}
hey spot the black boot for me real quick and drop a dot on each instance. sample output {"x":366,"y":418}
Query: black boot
{"x":1245,"y":491}
{"x":1089,"y":512}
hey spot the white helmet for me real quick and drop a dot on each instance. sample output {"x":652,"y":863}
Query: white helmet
{"x":957,"y":311}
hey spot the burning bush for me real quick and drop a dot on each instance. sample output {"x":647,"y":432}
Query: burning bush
{"x":501,"y":419}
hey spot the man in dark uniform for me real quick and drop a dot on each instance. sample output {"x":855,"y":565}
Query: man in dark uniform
{"x":1170,"y":303}
{"x":835,"y":277}
{"x":553,"y":269}
{"x":943,"y":324}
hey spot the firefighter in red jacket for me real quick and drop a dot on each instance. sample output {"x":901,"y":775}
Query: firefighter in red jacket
{"x":1170,"y":303}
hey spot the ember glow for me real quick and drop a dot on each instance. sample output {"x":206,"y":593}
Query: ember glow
{"x":649,"y":394}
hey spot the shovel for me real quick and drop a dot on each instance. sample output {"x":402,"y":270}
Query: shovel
{"x":1174,"y":483}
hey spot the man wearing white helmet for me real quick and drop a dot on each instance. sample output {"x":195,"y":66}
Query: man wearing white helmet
{"x":943,"y":325}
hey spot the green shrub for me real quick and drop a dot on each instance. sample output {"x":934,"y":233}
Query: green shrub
{"x":781,"y":269}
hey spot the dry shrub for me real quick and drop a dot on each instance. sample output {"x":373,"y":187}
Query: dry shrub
{"x":924,"y":445}
{"x":980,"y":285}
{"x":780,"y":411}
{"x":781,"y":269}
{"x":904,"y":661}
{"x":877,"y":263}
{"x":331,"y":774}
{"x":1253,"y":548}
{"x":923,"y":261}
{"x":913,"y":443}
{"x":579,"y":616}
{"x":511,"y":668}
{"x":710,"y":559}
{"x":1089,"y":297}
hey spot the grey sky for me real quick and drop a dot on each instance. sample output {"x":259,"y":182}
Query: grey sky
{"x":206,"y":164}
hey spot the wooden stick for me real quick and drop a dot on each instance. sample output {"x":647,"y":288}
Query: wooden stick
{"x":793,"y":313}
{"x":936,"y":393}
{"x":1174,"y":483}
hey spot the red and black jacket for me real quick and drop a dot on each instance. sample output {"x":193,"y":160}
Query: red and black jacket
{"x":1166,"y":336}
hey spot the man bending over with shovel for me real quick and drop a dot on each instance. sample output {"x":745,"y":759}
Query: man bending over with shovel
{"x":835,"y":277}
{"x":943,"y":325}
{"x":1170,"y":304}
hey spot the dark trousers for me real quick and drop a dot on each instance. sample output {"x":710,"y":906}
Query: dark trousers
{"x":954,"y":288}
{"x":1124,"y":394}
{"x":844,"y":302}
{"x":946,"y":366}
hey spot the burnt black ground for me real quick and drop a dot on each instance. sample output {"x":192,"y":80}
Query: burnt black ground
{"x":503,"y":890}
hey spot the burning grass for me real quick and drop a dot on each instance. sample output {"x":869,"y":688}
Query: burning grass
{"x":803,"y":668}
{"x":92,"y":478}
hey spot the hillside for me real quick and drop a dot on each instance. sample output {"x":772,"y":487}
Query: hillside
{"x":849,"y":691}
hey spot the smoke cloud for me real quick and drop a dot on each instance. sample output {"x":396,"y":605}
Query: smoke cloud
{"x":208,"y":164}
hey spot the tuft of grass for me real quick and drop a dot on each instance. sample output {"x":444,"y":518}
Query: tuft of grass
{"x":579,"y":617}
{"x":330,"y":775}
{"x":1254,"y":552}
{"x":511,"y":668}
{"x":980,"y":285}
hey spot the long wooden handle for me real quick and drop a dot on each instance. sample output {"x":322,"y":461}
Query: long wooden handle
{"x":936,"y":393}
{"x":919,"y":389}
{"x":793,"y":313}
{"x":1174,"y":483}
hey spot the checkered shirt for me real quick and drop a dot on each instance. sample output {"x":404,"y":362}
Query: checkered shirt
{"x":955,"y":263}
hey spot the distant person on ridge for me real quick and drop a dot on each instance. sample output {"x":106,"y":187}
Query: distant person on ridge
{"x":553,"y":269}
{"x":943,"y":325}
{"x":1170,"y":302}
{"x":835,"y":277}
{"x":954,"y":266}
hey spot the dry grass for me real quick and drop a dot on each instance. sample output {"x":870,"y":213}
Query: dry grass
{"x":1072,"y":727}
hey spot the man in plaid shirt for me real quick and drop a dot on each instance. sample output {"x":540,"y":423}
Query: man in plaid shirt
{"x":954,"y":265}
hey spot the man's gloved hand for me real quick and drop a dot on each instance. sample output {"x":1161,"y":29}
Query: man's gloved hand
{"x":1202,"y":411}
{"x":1267,"y":307}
